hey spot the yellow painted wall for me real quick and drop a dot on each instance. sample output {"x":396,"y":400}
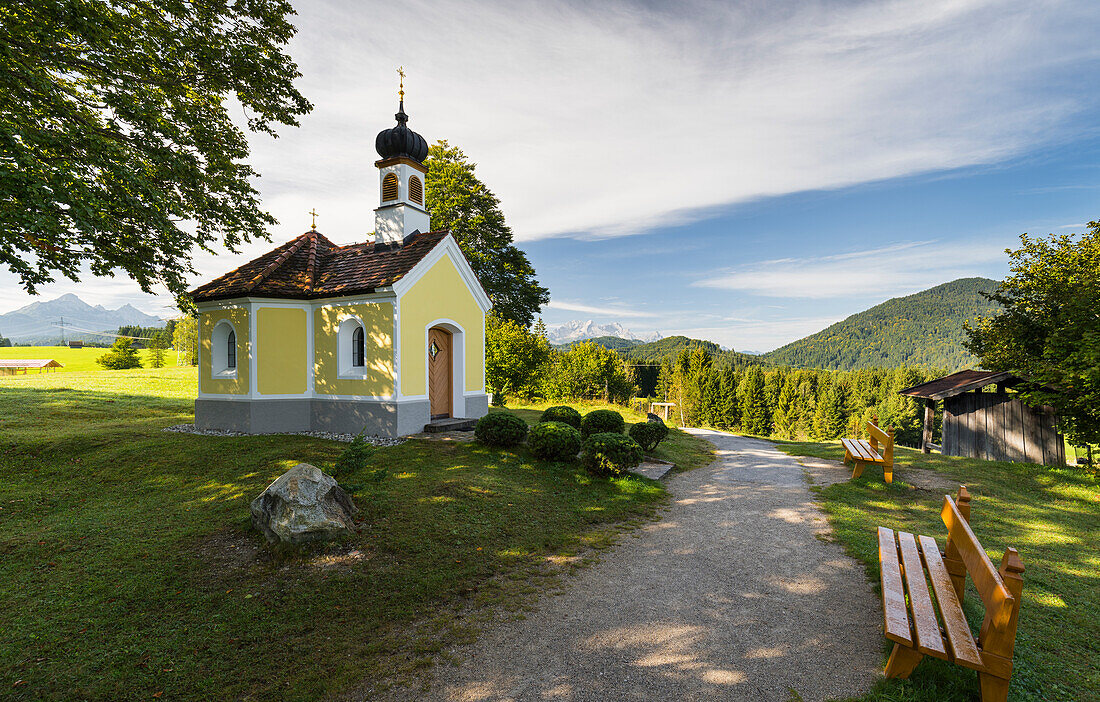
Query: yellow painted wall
{"x":440,"y":293}
{"x":377,"y":320}
{"x":281,"y":346}
{"x":238,"y":317}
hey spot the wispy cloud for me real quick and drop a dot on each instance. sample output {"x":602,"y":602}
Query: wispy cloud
{"x":611,"y":312}
{"x":604,"y":119}
{"x":1072,"y":226}
{"x":882,"y":272}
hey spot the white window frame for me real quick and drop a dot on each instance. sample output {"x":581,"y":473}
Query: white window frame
{"x":344,"y":352}
{"x":219,"y":354}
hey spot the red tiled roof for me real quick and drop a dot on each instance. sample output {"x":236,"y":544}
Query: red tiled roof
{"x":958,"y":383}
{"x":311,"y":266}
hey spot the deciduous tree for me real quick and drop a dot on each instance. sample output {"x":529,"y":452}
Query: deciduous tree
{"x":515,"y":358}
{"x":1049,"y":330}
{"x":459,"y":201}
{"x":117,"y":151}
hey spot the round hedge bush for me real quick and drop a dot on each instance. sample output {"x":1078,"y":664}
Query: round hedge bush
{"x":554,"y":441}
{"x":648,"y":434}
{"x":610,"y":454}
{"x":500,"y":429}
{"x":562,"y":413}
{"x":602,"y":422}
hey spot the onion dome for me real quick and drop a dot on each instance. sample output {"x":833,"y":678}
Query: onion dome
{"x":401,"y":141}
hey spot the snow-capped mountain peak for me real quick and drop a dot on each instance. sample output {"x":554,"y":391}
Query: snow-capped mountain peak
{"x":577,"y":330}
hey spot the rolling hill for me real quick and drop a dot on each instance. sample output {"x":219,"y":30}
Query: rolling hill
{"x":924,"y":329}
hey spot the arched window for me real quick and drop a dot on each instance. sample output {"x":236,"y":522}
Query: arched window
{"x":389,"y":187}
{"x":357,"y":347}
{"x":416,"y":190}
{"x":223,"y":350}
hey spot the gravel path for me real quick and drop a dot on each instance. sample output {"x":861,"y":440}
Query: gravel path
{"x":728,"y":597}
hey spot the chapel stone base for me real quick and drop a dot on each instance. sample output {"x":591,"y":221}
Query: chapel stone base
{"x":372,"y":417}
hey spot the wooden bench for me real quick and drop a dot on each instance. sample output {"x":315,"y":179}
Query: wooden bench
{"x":864,"y":453}
{"x":908,"y":563}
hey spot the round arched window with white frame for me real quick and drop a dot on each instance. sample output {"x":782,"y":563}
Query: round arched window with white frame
{"x":223,"y":350}
{"x":351,"y":352}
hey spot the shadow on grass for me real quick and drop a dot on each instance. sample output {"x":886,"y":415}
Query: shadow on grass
{"x":1051,"y":515}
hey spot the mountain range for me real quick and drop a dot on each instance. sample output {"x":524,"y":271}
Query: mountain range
{"x":923,"y":329}
{"x":37,"y":322}
{"x":577,"y":330}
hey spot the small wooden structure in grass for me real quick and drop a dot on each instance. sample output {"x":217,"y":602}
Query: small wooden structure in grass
{"x":993,"y":426}
{"x":13,"y":366}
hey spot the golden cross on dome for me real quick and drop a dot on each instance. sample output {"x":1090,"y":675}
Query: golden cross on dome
{"x":401,"y":91}
{"x":313,"y":226}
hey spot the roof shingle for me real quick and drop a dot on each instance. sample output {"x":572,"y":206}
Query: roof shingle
{"x":311,"y":266}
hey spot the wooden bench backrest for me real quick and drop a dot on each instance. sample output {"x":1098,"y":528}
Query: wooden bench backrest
{"x":999,"y":602}
{"x":886,"y":437}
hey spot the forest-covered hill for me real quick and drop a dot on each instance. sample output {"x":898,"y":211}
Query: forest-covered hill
{"x":608,"y":342}
{"x":923,"y":329}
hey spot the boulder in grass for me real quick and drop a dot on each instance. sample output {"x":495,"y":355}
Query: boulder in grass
{"x":654,"y":419}
{"x":303,"y":504}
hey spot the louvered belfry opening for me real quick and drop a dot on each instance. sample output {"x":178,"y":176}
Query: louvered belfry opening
{"x":389,"y":187}
{"x":416,"y":190}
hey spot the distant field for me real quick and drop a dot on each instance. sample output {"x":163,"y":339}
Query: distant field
{"x":73,"y":359}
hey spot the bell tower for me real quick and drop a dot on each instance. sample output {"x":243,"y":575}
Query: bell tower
{"x":401,"y":171}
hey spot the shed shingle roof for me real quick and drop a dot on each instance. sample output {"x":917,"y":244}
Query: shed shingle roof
{"x":958,"y":383}
{"x":311,"y":266}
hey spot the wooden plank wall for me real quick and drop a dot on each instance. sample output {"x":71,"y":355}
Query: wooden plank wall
{"x":995,"y":426}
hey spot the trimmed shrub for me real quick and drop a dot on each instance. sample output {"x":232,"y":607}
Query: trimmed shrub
{"x":354,"y":457}
{"x":500,"y":429}
{"x":610,"y":454}
{"x":554,"y":441}
{"x":602,"y":422}
{"x":562,"y":413}
{"x":648,"y":434}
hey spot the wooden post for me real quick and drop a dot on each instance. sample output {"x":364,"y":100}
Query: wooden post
{"x":929,"y":422}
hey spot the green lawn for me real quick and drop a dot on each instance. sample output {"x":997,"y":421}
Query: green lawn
{"x":73,"y":360}
{"x":1051,"y":515}
{"x":129,"y":567}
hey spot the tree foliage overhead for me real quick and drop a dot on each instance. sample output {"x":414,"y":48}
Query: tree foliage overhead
{"x":457,"y":200}
{"x":115,"y":131}
{"x":924,"y":329}
{"x":1049,"y":329}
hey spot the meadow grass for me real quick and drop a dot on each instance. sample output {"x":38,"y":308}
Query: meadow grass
{"x":129,"y":568}
{"x":1052,"y":515}
{"x":80,"y":360}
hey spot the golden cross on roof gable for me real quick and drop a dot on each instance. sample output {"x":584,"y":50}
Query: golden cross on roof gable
{"x":313,"y":225}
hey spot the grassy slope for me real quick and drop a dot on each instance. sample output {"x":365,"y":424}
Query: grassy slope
{"x":1051,"y":515}
{"x":73,"y":360}
{"x":128,"y":566}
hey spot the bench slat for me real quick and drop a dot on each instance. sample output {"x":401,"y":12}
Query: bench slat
{"x":929,"y":641}
{"x":963,"y":648}
{"x":896,"y":617}
{"x":987,"y":581}
{"x":861,"y":450}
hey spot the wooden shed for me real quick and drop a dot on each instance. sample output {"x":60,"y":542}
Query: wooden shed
{"x":12,"y":366}
{"x":993,"y":426}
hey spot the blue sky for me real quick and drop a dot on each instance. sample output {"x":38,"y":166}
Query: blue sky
{"x":746,"y":172}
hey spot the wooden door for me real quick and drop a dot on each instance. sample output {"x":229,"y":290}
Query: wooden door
{"x":439,"y":372}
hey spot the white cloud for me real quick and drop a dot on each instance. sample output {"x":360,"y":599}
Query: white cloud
{"x":604,"y":119}
{"x":606,"y":311}
{"x":887,"y":271}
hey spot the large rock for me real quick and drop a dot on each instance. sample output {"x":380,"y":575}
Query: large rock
{"x":303,"y":504}
{"x":654,"y":419}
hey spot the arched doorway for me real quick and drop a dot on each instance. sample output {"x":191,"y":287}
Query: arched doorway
{"x":440,"y":372}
